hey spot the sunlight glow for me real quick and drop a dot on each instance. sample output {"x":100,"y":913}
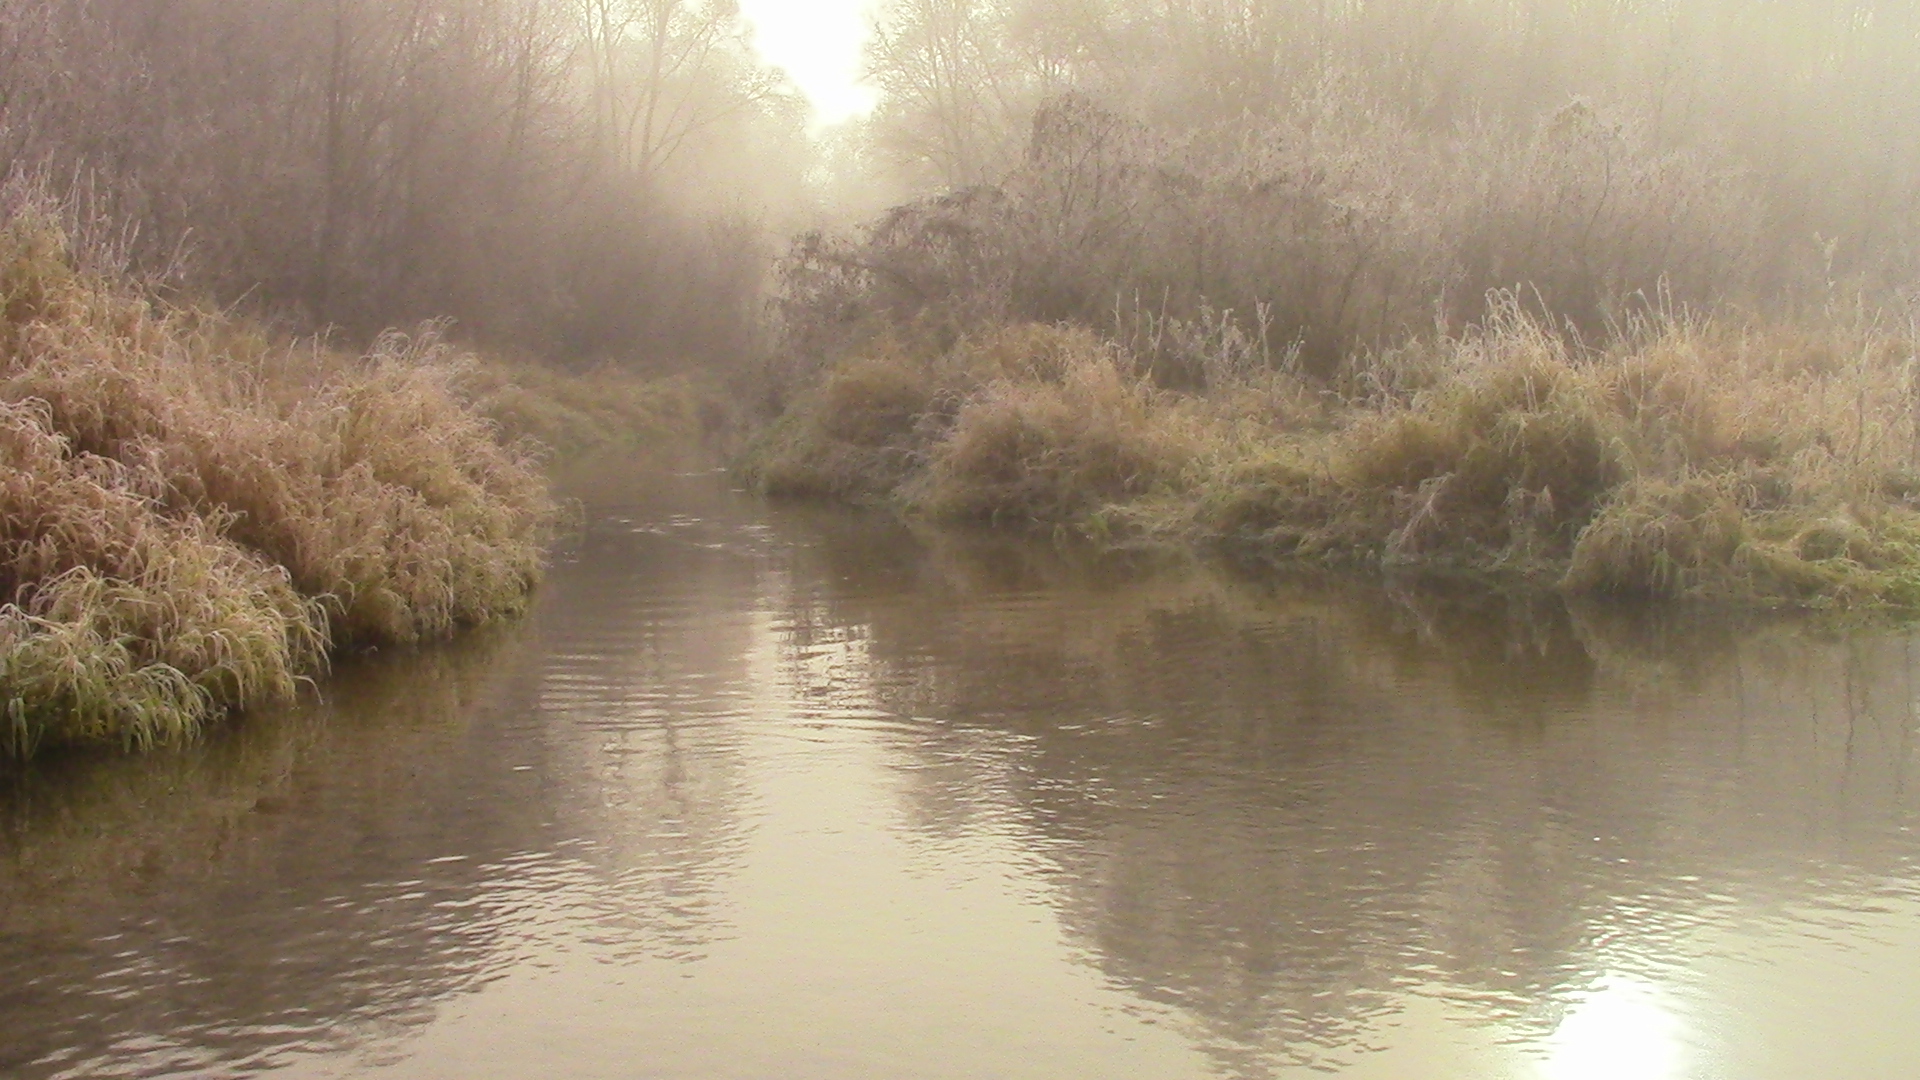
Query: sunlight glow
{"x":1623,"y":1029}
{"x":817,"y":43}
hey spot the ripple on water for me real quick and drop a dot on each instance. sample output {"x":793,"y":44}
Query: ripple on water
{"x":767,"y":793}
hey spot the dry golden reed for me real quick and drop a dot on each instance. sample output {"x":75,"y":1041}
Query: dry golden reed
{"x":1690,"y":458}
{"x":191,"y":517}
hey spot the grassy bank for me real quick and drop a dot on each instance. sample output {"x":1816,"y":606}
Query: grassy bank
{"x":194,"y":513}
{"x":1748,"y":461}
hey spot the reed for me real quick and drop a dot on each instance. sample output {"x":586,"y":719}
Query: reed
{"x":1744,"y":460}
{"x":193,"y":514}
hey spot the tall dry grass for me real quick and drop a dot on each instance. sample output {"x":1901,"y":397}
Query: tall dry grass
{"x":1323,"y":333}
{"x":192,"y":515}
{"x":1739,"y":460}
{"x":1022,"y":424}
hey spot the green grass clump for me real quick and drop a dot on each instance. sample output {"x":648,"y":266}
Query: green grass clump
{"x":191,"y":516}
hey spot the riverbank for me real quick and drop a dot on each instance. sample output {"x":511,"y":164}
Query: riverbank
{"x":195,"y":512}
{"x":1746,"y":461}
{"x":719,"y":702}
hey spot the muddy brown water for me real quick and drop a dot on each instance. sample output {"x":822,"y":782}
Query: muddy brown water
{"x":762,"y":793}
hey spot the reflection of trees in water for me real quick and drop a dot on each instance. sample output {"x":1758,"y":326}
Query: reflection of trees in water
{"x":640,"y":702}
{"x":1273,"y":807}
{"x":326,"y":877}
{"x":1278,"y":807}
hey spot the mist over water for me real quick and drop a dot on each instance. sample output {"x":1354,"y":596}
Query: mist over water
{"x":1620,"y":296}
{"x":759,"y":792}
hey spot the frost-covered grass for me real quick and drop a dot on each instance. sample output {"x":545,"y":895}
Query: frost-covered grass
{"x":193,"y":513}
{"x":1751,"y":462}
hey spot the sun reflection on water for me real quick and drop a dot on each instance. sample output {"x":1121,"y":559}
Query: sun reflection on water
{"x":1623,"y":1028}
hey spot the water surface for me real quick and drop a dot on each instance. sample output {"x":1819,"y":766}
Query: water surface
{"x":764,"y":793}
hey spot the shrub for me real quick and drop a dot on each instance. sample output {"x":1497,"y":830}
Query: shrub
{"x":1061,"y":428}
{"x":1297,"y":237}
{"x":857,"y":434}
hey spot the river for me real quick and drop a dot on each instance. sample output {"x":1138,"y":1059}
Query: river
{"x":779,"y":793}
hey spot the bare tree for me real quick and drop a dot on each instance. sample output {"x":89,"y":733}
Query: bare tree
{"x":518,"y":164}
{"x":952,"y":90}
{"x":664,"y":71}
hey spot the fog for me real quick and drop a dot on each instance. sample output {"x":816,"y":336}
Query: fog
{"x":618,"y":179}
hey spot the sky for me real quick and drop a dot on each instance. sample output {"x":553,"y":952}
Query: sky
{"x":818,"y":43}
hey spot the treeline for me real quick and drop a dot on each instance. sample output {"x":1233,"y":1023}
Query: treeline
{"x":580,"y":178}
{"x":1344,"y":175}
{"x":1299,"y":240}
{"x":1817,"y":100}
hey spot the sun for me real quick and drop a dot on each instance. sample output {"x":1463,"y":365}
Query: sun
{"x":818,"y":44}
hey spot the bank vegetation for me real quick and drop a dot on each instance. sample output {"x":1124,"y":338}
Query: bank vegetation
{"x":221,"y":462}
{"x":1617,"y":297}
{"x":1438,"y":290}
{"x":197,"y":511}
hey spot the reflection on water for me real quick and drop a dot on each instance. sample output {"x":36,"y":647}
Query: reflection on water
{"x":787,"y":793}
{"x":1618,"y":1027}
